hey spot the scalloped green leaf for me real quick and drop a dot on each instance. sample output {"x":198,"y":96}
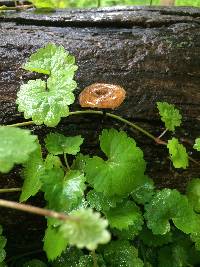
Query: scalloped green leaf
{"x":169,"y":115}
{"x":51,"y":58}
{"x":86,"y":229}
{"x":169,"y":205}
{"x":122,"y":171}
{"x":59,"y":144}
{"x":178,"y":154}
{"x":47,"y":101}
{"x":124,"y":215}
{"x":15,"y":147}
{"x":33,"y":169}
{"x":44,"y":105}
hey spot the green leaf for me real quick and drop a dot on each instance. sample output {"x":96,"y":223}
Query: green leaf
{"x":66,"y":194}
{"x":178,"y":154}
{"x":59,"y":144}
{"x":197,"y":144}
{"x":31,"y":173}
{"x":15,"y":147}
{"x":54,"y":241}
{"x":195,"y":235}
{"x":123,"y":170}
{"x":121,"y":254}
{"x":173,"y":256}
{"x":193,"y":193}
{"x":46,"y":102}
{"x":3,"y":242}
{"x":44,"y":106}
{"x":130,"y":233}
{"x":125,"y":214}
{"x":88,"y":261}
{"x":80,"y":162}
{"x":51,"y":4}
{"x":86,"y":229}
{"x":50,"y":59}
{"x":169,"y":115}
{"x":69,"y":258}
{"x":100,"y":202}
{"x":143,"y":193}
{"x":34,"y":263}
{"x":169,"y":205}
{"x":151,"y":240}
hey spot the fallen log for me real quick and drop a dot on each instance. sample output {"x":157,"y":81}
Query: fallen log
{"x":152,"y":52}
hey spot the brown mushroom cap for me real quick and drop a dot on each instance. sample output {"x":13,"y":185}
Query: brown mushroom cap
{"x":102,"y":95}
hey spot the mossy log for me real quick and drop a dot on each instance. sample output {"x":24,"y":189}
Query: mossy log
{"x":154,"y":53}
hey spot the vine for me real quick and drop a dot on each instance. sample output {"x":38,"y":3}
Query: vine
{"x":100,"y":212}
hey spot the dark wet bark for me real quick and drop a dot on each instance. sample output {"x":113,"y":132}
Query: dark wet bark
{"x":153,"y":53}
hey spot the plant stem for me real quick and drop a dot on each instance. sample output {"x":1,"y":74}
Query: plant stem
{"x":35,"y":210}
{"x":94,"y":257}
{"x":133,"y":125}
{"x":9,"y":190}
{"x":25,"y":123}
{"x":66,"y":161}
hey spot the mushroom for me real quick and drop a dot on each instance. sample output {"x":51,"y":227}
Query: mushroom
{"x":102,"y":95}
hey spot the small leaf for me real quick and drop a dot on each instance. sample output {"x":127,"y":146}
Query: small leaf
{"x":123,"y":170}
{"x":86,"y":229}
{"x":31,"y":173}
{"x":169,"y":205}
{"x":15,"y":147}
{"x":169,"y":115}
{"x":197,"y":144}
{"x":121,"y":254}
{"x":124,"y":215}
{"x":178,"y":154}
{"x":59,"y":144}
